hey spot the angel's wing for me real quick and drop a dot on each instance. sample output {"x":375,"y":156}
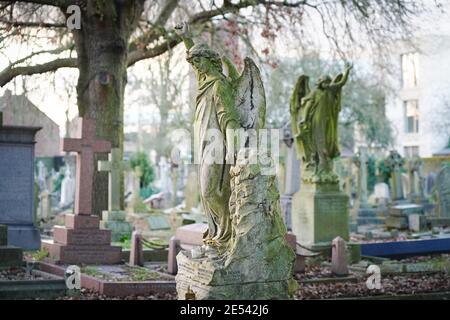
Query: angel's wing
{"x":301,"y":90}
{"x":250,"y":98}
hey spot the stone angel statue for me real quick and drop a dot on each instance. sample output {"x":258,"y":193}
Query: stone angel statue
{"x":314,"y":120}
{"x":226,"y":101}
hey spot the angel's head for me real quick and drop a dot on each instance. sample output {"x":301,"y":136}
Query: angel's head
{"x":323,"y":81}
{"x":204,"y":59}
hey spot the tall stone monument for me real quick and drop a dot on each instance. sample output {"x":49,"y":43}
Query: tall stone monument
{"x":320,"y":210}
{"x":81,"y":240}
{"x":443,"y":192}
{"x":17,"y":201}
{"x":114,"y":218}
{"x":245,"y":254}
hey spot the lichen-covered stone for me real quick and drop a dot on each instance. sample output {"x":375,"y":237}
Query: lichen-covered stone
{"x":258,"y":263}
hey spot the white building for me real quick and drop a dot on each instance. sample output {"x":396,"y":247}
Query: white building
{"x":421,"y":95}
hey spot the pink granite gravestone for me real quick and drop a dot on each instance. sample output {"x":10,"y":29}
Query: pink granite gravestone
{"x":136,"y":253}
{"x":81,"y":240}
{"x":339,"y":261}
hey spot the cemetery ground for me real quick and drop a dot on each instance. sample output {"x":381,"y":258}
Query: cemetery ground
{"x":417,"y":277}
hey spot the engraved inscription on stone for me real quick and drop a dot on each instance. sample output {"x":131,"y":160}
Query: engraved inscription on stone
{"x":16,"y":184}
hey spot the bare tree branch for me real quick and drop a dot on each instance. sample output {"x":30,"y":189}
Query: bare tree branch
{"x":10,"y":73}
{"x":33,"y":24}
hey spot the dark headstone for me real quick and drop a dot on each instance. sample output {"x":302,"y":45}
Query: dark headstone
{"x":9,"y":256}
{"x":17,"y":186}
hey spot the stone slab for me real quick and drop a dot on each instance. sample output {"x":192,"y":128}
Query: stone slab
{"x":81,"y":236}
{"x":397,"y":222}
{"x":79,"y":221}
{"x":114,"y":215}
{"x":10,"y":257}
{"x":404,"y":249}
{"x":26,"y":237}
{"x":51,"y":287}
{"x":406,"y":209}
{"x":118,"y":229}
{"x":191,"y":234}
{"x":438,"y":222}
{"x":88,"y":254}
{"x":115,"y":289}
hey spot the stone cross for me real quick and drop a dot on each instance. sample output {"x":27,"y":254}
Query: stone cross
{"x":114,"y":166}
{"x":137,"y":184}
{"x":85,"y":147}
{"x":395,"y":163}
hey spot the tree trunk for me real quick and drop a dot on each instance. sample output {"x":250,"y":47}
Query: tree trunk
{"x":102,"y":44}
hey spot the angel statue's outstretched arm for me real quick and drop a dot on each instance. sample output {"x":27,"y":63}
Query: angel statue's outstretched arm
{"x":182,"y":30}
{"x":341,"y":79}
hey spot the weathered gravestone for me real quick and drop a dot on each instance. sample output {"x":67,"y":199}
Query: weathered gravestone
{"x":136,"y":251}
{"x":114,"y":218}
{"x":10,"y":256}
{"x":339,"y":257}
{"x":81,"y":240}
{"x":45,"y":205}
{"x":191,"y":192}
{"x":17,"y":186}
{"x":394,"y":162}
{"x":67,"y":188}
{"x":292,"y":176}
{"x":443,"y":192}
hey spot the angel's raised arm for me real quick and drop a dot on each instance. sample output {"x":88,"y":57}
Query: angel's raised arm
{"x":341,"y":79}
{"x":231,"y":70}
{"x":182,"y":30}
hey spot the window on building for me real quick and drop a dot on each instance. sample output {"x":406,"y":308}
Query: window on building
{"x":411,"y":151}
{"x":410,"y":68}
{"x":411,"y":116}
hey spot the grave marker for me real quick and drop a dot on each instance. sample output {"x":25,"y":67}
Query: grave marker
{"x":114,"y":217}
{"x":81,"y":240}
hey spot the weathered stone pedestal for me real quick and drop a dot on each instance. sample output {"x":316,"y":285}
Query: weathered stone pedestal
{"x":82,"y":241}
{"x":258,"y":261}
{"x":10,"y":256}
{"x":116,"y":222}
{"x":210,"y":280}
{"x":320,"y":213}
{"x":368,"y":215}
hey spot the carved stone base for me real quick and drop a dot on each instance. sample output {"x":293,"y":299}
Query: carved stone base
{"x":320,"y":213}
{"x":82,"y":241}
{"x":210,"y":281}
